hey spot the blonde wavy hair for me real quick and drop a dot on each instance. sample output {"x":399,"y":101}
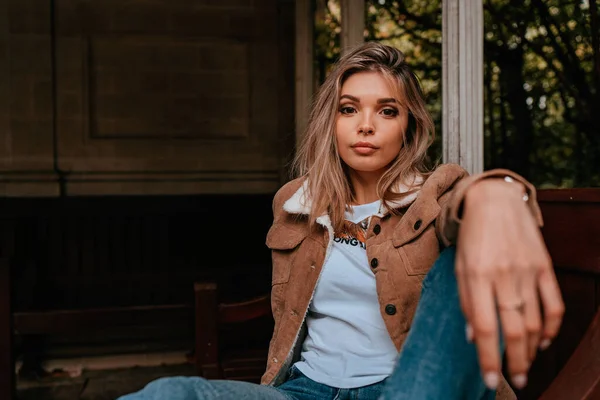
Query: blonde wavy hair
{"x":317,"y":155}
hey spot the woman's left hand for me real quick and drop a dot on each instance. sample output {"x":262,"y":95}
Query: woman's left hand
{"x":503,"y":269}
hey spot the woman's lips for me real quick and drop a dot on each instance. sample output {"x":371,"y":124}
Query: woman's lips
{"x":364,"y":148}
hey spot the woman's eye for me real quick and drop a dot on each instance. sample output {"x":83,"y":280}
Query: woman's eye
{"x":346,"y":110}
{"x":389,"y":112}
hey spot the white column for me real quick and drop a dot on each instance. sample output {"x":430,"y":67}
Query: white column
{"x":353,"y":23}
{"x":462,"y":83}
{"x":304,"y":63}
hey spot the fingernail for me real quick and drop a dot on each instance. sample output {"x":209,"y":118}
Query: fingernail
{"x":469,"y":332}
{"x":545,"y":344}
{"x":519,"y":381}
{"x":491,"y":380}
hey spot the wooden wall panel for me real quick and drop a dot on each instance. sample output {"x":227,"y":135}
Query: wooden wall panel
{"x":26,"y":103}
{"x":162,"y":88}
{"x":112,"y":97}
{"x":182,"y":95}
{"x":571,"y":229}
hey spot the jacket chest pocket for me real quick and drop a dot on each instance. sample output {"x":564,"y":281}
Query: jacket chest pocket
{"x":415,"y":237}
{"x":420,"y":254}
{"x":284,"y":242}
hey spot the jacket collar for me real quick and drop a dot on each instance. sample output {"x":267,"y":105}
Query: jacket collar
{"x":300,"y":202}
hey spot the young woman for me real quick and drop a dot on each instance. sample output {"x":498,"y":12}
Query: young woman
{"x":390,"y":280}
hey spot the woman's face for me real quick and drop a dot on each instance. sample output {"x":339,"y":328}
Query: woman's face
{"x":370,"y":124}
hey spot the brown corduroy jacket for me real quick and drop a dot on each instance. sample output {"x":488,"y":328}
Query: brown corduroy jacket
{"x":401,"y":250}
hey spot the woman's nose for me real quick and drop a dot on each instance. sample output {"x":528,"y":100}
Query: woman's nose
{"x":366,"y":126}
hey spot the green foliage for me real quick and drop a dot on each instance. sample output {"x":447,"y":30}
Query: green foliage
{"x":542,"y":78}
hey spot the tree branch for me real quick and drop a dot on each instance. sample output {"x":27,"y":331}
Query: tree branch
{"x":567,"y":84}
{"x":572,"y":68}
{"x":430,"y":43}
{"x":595,"y":28}
{"x":424,"y":21}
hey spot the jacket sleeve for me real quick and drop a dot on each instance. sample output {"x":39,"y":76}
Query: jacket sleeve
{"x":457,"y":183}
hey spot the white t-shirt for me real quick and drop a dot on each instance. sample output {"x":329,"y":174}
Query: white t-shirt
{"x":347,"y":345}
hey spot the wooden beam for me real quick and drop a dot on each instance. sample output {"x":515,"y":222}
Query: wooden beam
{"x":353,"y":23}
{"x":304,"y":63}
{"x":7,"y":365}
{"x":462,"y":83}
{"x":78,"y":321}
{"x":5,"y":134}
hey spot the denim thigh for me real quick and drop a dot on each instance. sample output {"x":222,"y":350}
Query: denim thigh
{"x":436,"y":361}
{"x":196,"y":388}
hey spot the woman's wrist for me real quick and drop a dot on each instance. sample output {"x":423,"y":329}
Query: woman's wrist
{"x":493,"y":189}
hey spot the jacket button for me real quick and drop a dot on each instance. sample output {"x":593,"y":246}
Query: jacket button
{"x":377,"y":229}
{"x":390,"y":309}
{"x":418,"y":224}
{"x":374,"y":263}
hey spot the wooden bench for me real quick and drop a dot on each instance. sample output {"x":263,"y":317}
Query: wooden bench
{"x":572,"y":234}
{"x":241,"y":353}
{"x":568,"y":370}
{"x":580,"y":377}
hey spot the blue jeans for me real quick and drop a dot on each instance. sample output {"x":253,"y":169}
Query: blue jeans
{"x":436,"y":361}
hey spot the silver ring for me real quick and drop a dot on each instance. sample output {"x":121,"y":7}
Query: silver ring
{"x":518,"y":306}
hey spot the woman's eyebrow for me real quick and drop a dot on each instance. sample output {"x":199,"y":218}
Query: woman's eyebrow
{"x":350,"y":97}
{"x":357,"y":100}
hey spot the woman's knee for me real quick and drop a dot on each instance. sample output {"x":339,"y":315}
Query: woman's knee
{"x":442,"y":271}
{"x":178,"y":388}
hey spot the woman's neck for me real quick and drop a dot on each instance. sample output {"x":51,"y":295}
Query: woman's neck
{"x":365,"y":189}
